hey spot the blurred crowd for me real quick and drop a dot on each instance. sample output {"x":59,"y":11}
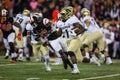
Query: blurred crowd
{"x":104,"y":11}
{"x":100,"y":9}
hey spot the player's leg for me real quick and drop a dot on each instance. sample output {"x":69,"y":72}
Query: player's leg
{"x":36,"y":51}
{"x":54,"y":44}
{"x":72,"y":48}
{"x":11,"y":41}
{"x":7,"y":48}
{"x":45,"y":54}
{"x":26,"y":49}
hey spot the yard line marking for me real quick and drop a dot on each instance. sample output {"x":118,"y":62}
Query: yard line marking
{"x":1,"y":77}
{"x":33,"y":79}
{"x":20,"y":64}
{"x":100,"y":77}
{"x":6,"y":64}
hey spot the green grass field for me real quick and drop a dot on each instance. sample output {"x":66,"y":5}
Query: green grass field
{"x":36,"y":71}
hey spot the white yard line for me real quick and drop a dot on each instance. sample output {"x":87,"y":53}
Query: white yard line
{"x":33,"y":79}
{"x":20,"y":64}
{"x":98,"y":77}
{"x":1,"y":77}
{"x":6,"y":64}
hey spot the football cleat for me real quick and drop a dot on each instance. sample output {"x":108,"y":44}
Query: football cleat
{"x":75,"y":71}
{"x":48,"y":68}
{"x":94,"y":60}
{"x":6,"y":57}
{"x":108,"y":60}
{"x":13,"y":60}
{"x":102,"y":57}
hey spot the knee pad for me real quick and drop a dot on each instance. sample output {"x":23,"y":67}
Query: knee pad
{"x":70,"y":53}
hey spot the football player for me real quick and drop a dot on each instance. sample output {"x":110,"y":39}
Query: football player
{"x":70,"y":22}
{"x":57,"y":42}
{"x":8,"y":33}
{"x":72,"y":29}
{"x":95,"y":32}
{"x":20,"y":21}
{"x":36,"y":30}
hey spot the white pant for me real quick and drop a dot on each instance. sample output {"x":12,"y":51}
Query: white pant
{"x":115,"y":48}
{"x":58,"y":44}
{"x":10,"y":38}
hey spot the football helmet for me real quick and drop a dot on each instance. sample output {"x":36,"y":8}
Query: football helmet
{"x":36,"y":17}
{"x":26,"y":12}
{"x":38,"y":14}
{"x":85,"y":12}
{"x":67,"y":12}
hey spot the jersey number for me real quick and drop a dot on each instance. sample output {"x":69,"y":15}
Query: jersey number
{"x":19,"y":20}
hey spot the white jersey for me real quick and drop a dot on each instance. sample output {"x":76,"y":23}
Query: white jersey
{"x":81,"y":19}
{"x":23,"y":20}
{"x":67,"y":27}
{"x":93,"y":27}
{"x":108,"y":33}
{"x":29,"y":27}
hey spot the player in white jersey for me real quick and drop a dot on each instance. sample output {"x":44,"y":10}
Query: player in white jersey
{"x":109,"y":39}
{"x":95,"y":32}
{"x":21,"y":20}
{"x":72,"y":28}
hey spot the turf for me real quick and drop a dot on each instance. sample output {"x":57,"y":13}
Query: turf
{"x":36,"y":71}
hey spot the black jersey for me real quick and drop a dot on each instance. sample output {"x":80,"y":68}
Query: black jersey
{"x":7,"y":26}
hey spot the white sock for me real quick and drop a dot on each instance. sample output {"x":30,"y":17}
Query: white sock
{"x":46,"y":58}
{"x":7,"y":53}
{"x":75,"y":66}
{"x":87,"y":55}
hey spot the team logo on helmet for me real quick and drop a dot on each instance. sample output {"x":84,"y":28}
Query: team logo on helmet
{"x":67,"y":12}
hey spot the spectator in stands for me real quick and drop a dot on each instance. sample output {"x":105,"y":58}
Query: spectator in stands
{"x":116,"y":43}
{"x":114,"y":13}
{"x":33,"y":5}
